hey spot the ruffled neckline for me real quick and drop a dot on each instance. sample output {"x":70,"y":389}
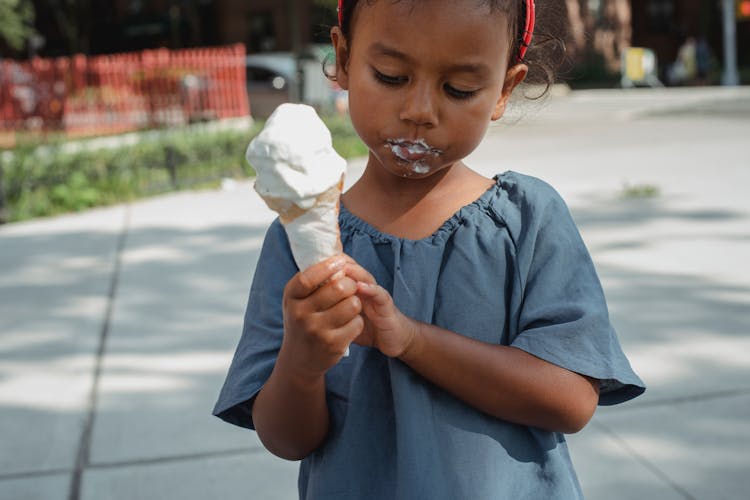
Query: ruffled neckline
{"x":349,"y":220}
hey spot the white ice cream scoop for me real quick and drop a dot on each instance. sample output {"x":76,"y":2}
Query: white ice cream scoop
{"x":300,"y":176}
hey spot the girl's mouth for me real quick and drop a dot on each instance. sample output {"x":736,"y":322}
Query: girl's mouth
{"x":412,"y":151}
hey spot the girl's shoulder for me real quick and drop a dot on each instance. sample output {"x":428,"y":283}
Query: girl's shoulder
{"x":522,"y":200}
{"x":515,"y":201}
{"x":525,"y":190}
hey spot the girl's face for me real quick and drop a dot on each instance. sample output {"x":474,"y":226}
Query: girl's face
{"x":425,"y":79}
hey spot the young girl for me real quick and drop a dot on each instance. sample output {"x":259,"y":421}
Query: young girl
{"x":476,"y":324}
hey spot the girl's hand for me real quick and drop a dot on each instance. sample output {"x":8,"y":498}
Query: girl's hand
{"x":321,"y":317}
{"x":386,"y":327}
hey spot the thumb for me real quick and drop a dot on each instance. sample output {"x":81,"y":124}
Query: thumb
{"x":374,"y":293}
{"x":306,"y":282}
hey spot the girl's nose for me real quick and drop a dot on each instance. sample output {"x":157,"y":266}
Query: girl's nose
{"x":420,"y":106}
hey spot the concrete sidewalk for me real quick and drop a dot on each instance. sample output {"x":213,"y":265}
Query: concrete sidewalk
{"x":117,"y":325}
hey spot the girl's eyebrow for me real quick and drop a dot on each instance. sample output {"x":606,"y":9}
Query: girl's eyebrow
{"x":480,"y":69}
{"x":381,"y":49}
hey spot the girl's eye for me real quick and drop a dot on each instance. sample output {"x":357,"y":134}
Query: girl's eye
{"x":459,"y":94}
{"x":394,"y":81}
{"x":388,"y":79}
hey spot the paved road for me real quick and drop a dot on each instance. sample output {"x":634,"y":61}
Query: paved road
{"x":117,"y":325}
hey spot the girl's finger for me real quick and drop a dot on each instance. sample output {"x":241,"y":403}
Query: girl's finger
{"x":375,"y":293}
{"x":337,"y":340}
{"x":332,"y":292}
{"x":351,"y":330}
{"x":306,"y":282}
{"x":359,"y":273}
{"x":343,"y":312}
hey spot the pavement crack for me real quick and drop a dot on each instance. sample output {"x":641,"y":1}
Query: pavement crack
{"x":644,"y":461}
{"x":690,"y":398}
{"x":32,"y":474}
{"x":176,"y":458}
{"x":84,"y":446}
{"x":187,"y":457}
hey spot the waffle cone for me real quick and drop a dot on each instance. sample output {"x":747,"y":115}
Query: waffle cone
{"x":313,"y":232}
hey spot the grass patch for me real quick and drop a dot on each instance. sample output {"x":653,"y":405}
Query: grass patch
{"x":42,"y":180}
{"x":345,"y":140}
{"x":639,"y":191}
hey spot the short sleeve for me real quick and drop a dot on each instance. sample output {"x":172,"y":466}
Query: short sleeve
{"x":561,"y":309}
{"x":262,"y":332}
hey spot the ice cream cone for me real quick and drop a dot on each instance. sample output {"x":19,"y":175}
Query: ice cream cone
{"x":300,"y":176}
{"x":313,"y":232}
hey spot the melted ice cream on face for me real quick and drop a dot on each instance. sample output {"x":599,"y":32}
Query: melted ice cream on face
{"x":293,"y":156}
{"x":416,"y":153}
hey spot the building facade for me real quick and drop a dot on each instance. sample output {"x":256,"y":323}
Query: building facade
{"x":664,"y":25}
{"x":602,"y":29}
{"x":599,"y":30}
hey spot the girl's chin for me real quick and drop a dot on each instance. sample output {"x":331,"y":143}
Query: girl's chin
{"x":411,"y":170}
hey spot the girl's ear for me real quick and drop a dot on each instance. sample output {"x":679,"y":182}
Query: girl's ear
{"x":513,"y":77}
{"x":341,"y":49}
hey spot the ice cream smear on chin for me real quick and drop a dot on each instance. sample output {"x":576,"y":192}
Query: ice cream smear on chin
{"x":300,"y":176}
{"x":414,"y":152}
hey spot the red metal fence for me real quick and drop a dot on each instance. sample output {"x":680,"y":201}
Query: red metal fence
{"x":79,"y":96}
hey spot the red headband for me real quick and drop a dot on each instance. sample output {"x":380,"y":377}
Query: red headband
{"x":528,"y":29}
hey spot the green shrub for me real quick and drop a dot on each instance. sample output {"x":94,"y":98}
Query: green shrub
{"x":345,"y":140}
{"x":46,"y":180}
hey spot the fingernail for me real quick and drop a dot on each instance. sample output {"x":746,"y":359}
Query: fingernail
{"x":337,"y":264}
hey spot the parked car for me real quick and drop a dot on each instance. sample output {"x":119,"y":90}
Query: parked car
{"x":272,"y":77}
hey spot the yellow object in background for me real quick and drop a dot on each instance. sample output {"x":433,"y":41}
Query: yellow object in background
{"x":634,"y":68}
{"x":639,"y":67}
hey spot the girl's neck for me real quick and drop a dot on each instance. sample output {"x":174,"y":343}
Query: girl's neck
{"x":407,"y":190}
{"x":412,"y":208}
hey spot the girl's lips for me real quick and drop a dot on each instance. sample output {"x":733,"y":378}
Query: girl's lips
{"x":412,"y":151}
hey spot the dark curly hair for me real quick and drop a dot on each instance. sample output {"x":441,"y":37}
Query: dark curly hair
{"x":543,"y":57}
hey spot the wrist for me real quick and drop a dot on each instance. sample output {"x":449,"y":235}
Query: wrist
{"x":412,"y":346}
{"x":295,"y":374}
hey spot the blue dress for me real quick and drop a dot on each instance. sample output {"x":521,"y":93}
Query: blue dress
{"x":510,"y":269}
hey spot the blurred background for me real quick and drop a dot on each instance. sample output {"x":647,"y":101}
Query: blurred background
{"x":75,"y":69}
{"x":129,"y":232}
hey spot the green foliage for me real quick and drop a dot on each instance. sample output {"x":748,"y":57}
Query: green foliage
{"x":639,"y":191}
{"x":345,"y":140}
{"x":16,"y":19}
{"x":45,"y":180}
{"x":48,"y":180}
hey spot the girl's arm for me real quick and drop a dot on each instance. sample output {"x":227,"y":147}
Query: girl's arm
{"x":321,"y":318}
{"x":502,"y":381}
{"x":290,"y":412}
